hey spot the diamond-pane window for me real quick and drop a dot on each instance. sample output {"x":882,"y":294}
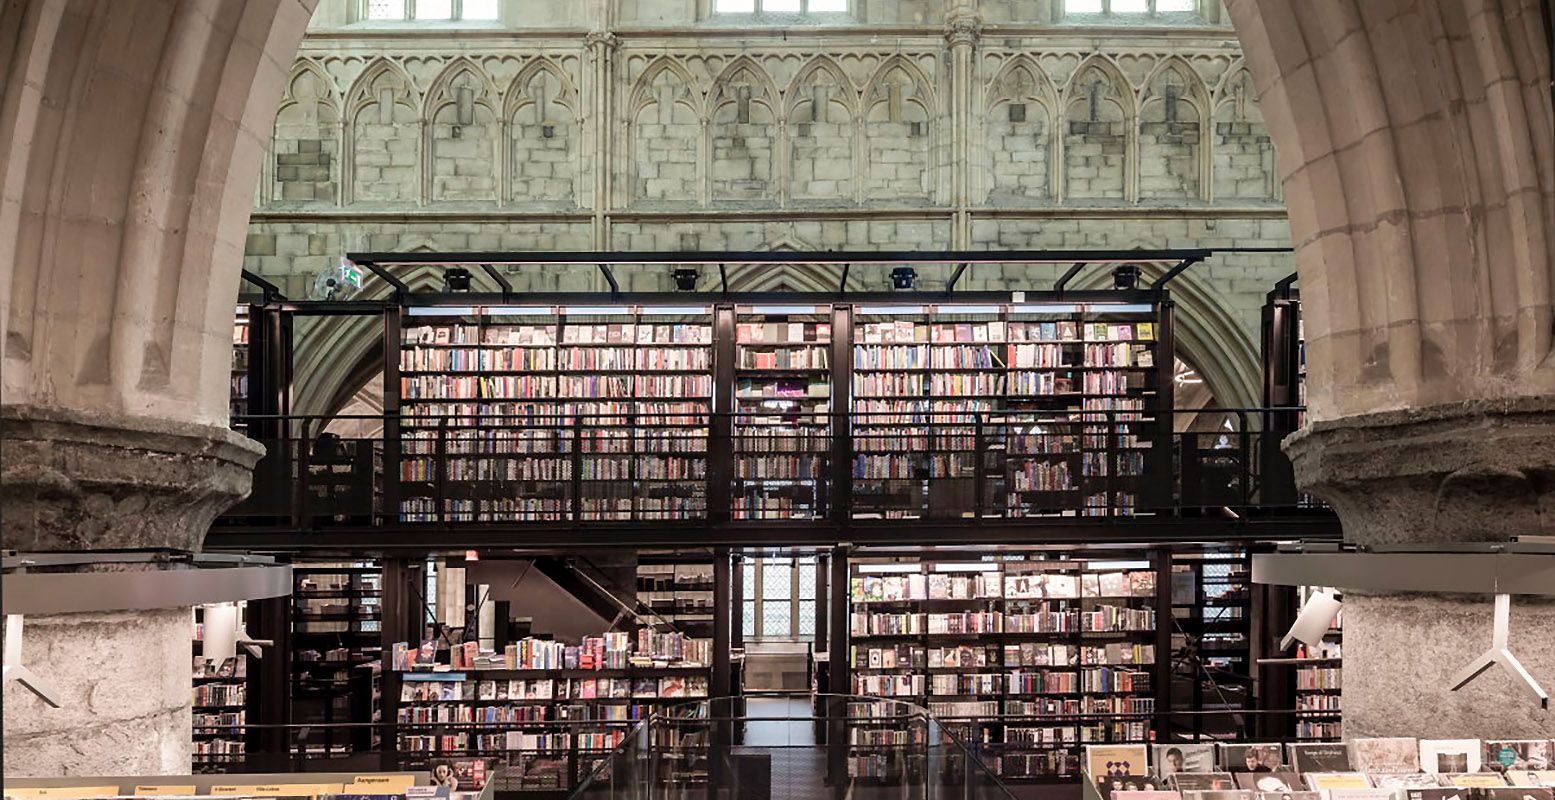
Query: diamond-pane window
{"x":776,"y":619}
{"x":385,"y":9}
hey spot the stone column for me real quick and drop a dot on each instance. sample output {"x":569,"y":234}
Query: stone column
{"x":963,"y":27}
{"x":1467,"y":472}
{"x":120,"y":251}
{"x":1427,"y":257}
{"x":73,"y":482}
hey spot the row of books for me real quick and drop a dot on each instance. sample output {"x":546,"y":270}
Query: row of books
{"x":782,"y":332}
{"x":997,"y":331}
{"x":570,"y":333}
{"x":219,"y":695}
{"x":1314,"y":678}
{"x":440,"y":691}
{"x":1072,"y":706}
{"x":548,"y":416}
{"x":785,"y":358}
{"x":1034,"y":585}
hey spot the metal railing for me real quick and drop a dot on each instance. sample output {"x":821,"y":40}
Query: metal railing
{"x":644,"y":466}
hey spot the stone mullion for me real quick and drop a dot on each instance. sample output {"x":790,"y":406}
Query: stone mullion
{"x":704,"y":173}
{"x":782,"y":155}
{"x":504,"y":159}
{"x":1131,"y":151}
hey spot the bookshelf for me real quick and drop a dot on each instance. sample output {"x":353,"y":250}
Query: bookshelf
{"x":548,"y":709}
{"x":1319,"y":680}
{"x":1014,"y":410}
{"x":238,"y":396}
{"x":1028,"y":658}
{"x":678,"y":588}
{"x":337,"y":652}
{"x":554,"y":412}
{"x":782,"y":402}
{"x":220,"y":702}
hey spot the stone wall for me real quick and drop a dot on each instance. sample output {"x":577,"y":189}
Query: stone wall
{"x":651,"y":126}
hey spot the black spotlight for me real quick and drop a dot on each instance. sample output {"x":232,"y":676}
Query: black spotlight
{"x":686,"y":279}
{"x":903,"y":278}
{"x":457,"y":279}
{"x":1125,"y":276}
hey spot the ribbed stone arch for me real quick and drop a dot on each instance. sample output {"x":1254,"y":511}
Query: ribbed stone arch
{"x":1208,"y":336}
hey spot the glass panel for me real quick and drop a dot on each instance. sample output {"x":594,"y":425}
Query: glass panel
{"x":1130,"y":6}
{"x":385,"y":9}
{"x":781,"y":6}
{"x":734,"y":6}
{"x":748,"y":618}
{"x":828,"y":6}
{"x":479,"y":9}
{"x":434,"y":9}
{"x":777,"y":579}
{"x":749,"y":579}
{"x":776,"y":619}
{"x":806,"y":580}
{"x":1176,"y":6}
{"x":806,"y":617}
{"x":1082,"y":6}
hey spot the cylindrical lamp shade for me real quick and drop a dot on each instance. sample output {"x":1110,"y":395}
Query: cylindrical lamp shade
{"x":1315,"y":618}
{"x":221,"y":632}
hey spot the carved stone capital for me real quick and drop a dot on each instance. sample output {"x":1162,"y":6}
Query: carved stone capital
{"x":963,"y":26}
{"x":72,"y":480}
{"x":602,"y":40}
{"x":1465,"y":472}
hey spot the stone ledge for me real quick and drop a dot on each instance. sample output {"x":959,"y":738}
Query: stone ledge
{"x":1481,"y":470}
{"x":72,"y":480}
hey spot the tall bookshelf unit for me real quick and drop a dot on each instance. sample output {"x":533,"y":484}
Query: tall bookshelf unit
{"x":1008,"y":410}
{"x":550,"y":413}
{"x":1319,"y":680}
{"x":1284,"y":386}
{"x":337,"y":655}
{"x":242,"y":336}
{"x":782,"y":412}
{"x":220,"y":705}
{"x":765,"y":412}
{"x":1029,"y":658}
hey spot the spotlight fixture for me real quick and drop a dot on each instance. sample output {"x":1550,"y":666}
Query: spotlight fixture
{"x":457,"y":279}
{"x":903,"y":278}
{"x":1125,"y":276}
{"x":686,"y":278}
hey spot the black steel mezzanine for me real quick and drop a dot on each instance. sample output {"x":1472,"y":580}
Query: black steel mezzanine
{"x":1240,"y":507}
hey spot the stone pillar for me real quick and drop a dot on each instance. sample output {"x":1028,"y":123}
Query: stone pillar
{"x":69,"y":482}
{"x":1469,"y":472}
{"x":963,"y":28}
{"x":1427,"y":256}
{"x":120,"y":251}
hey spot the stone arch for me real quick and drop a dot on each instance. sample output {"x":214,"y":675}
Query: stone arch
{"x":898,"y":113}
{"x":1208,"y":335}
{"x":1243,"y":168}
{"x":460,"y":132}
{"x":1020,"y":105}
{"x":383,"y":138}
{"x":820,"y":108}
{"x":304,"y":160}
{"x":545,"y":149}
{"x":743,"y":127}
{"x":664,"y":131}
{"x":1097,"y":116}
{"x":1173,"y":115}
